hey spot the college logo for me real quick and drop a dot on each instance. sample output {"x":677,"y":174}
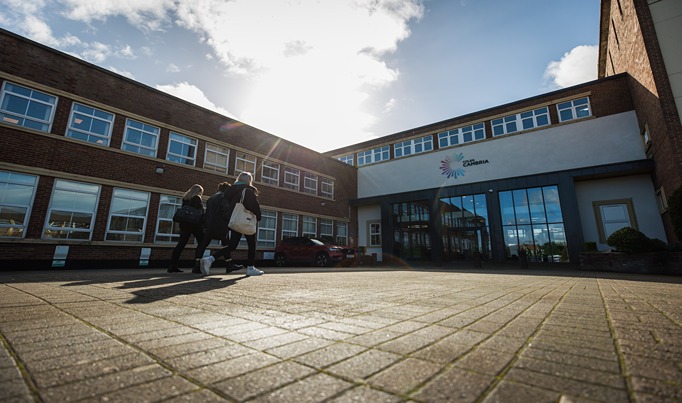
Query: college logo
{"x":449,"y":168}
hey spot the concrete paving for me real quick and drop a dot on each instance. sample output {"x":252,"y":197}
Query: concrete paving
{"x":496,"y":334}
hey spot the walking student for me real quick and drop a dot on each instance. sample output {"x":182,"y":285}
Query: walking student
{"x":244,"y":183}
{"x":192,"y":198}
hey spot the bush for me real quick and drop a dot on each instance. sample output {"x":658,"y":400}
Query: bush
{"x":629,"y":240}
{"x":675,"y":210}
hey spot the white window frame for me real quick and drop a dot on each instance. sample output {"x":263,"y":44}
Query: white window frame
{"x":342,"y":233}
{"x":12,"y":91}
{"x":348,"y":159}
{"x":374,"y":155}
{"x":244,"y":162}
{"x":413,"y":146}
{"x":188,"y":145}
{"x":212,"y":156}
{"x":267,"y":229}
{"x":326,"y":229}
{"x":289,"y":225}
{"x":77,"y":192}
{"x":81,"y":113}
{"x":521,"y":121}
{"x":602,"y":222}
{"x":578,"y":108}
{"x":270,"y":173}
{"x":167,"y":207}
{"x":310,"y":183}
{"x":131,"y":196}
{"x":147,"y":132}
{"x":8,"y":228}
{"x":373,"y":234}
{"x":459,"y":135}
{"x":661,"y":200}
{"x":309,"y":227}
{"x":327,"y":187}
{"x":292,"y":178}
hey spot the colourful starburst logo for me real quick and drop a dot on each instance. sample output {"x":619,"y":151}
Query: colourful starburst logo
{"x":448,"y":168}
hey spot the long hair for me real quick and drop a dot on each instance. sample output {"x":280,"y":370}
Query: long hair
{"x":195,"y":190}
{"x":247,"y":178}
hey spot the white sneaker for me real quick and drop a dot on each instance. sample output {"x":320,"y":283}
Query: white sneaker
{"x":206,"y":265}
{"x":252,"y":271}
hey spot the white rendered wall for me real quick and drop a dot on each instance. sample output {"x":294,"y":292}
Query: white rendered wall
{"x":611,"y":139}
{"x":365,"y":215}
{"x":639,"y":188}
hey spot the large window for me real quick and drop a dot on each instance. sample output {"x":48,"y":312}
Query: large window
{"x":140,"y":138}
{"x":465,"y":226}
{"x":71,"y":214}
{"x":520,"y":121}
{"x":309,"y":183}
{"x":267,"y":229}
{"x":411,"y":230}
{"x":576,"y":109}
{"x":166,"y":229}
{"x":342,"y":233}
{"x":348,"y":159}
{"x":16,"y":198}
{"x":309,"y":227}
{"x":216,"y":158}
{"x":461,"y":135}
{"x":289,"y":225}
{"x":532,"y":222}
{"x":326,"y":229}
{"x":245,"y":163}
{"x":327,"y":187}
{"x":374,"y":234}
{"x":413,"y":146}
{"x":90,"y":124}
{"x":128,"y":215}
{"x":25,"y":107}
{"x":612,"y":215}
{"x":270,"y":173}
{"x":182,"y":149}
{"x":292,"y":178}
{"x":375,"y":155}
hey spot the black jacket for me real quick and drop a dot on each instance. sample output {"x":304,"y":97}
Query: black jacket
{"x":216,"y":224}
{"x":197,"y":203}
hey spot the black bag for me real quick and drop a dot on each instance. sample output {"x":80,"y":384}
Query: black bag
{"x":188,"y":215}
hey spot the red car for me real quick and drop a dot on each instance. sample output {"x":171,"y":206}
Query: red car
{"x":303,"y":250}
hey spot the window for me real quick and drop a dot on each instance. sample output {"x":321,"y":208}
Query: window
{"x":646,"y":137}
{"x":327,"y":187}
{"x":245,"y":163}
{"x":326,"y":230}
{"x":461,"y":135}
{"x":72,"y":210}
{"x":289,"y":225}
{"x":25,"y":107}
{"x":291,"y":178}
{"x":216,"y":158}
{"x":375,"y":155}
{"x":182,"y":149}
{"x":128,"y":215}
{"x":414,"y":146}
{"x":532,"y":222}
{"x":374,"y":232}
{"x":348,"y":159}
{"x":16,"y":198}
{"x":342,"y":233}
{"x":309,"y":227}
{"x":521,"y":121}
{"x":90,"y":124}
{"x":270,"y":173}
{"x":267,"y":228}
{"x":576,"y":109}
{"x":309,"y":183}
{"x":612,"y":215}
{"x":661,"y":200}
{"x":167,"y":230}
{"x":140,"y":138}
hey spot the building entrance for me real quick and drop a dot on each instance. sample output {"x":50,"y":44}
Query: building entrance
{"x":463,"y":242}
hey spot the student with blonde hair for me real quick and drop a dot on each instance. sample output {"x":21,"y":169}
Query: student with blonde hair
{"x":192,"y":198}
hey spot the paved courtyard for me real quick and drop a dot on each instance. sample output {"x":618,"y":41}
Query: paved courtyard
{"x":340,"y":335}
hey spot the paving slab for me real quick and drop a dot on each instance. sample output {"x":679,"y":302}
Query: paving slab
{"x":388,"y":334}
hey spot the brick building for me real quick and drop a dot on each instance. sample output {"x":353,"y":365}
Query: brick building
{"x":93,"y":165}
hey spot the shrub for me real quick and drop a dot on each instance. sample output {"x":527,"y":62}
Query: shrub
{"x":675,"y":210}
{"x":629,"y":240}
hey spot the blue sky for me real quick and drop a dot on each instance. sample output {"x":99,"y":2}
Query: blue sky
{"x":328,"y":73}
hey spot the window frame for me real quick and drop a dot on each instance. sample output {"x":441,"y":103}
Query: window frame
{"x":327,"y":187}
{"x":413,"y":146}
{"x":476,"y":130}
{"x":574,"y":108}
{"x":273,"y":168}
{"x":242,"y":161}
{"x":310,"y":183}
{"x":326,"y":229}
{"x":126,"y":232}
{"x":287,"y":231}
{"x":151,"y":150}
{"x":267,"y":236}
{"x":218,"y":151}
{"x":308,"y":222}
{"x":93,"y":213}
{"x":21,"y":119}
{"x":341,"y":236}
{"x":292,"y":173}
{"x":598,"y":204}
{"x":175,"y":234}
{"x":186,"y":141}
{"x":348,"y":159}
{"x":10,"y":227}
{"x":89,"y":134}
{"x":373,"y":231}
{"x":377,"y":154}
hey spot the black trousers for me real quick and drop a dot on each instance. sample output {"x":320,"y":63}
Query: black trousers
{"x":185,"y":232}
{"x":235,"y":237}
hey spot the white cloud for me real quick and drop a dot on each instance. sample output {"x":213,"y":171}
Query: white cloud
{"x":193,"y":94}
{"x":172,"y":68}
{"x":575,"y":67}
{"x":148,"y":15}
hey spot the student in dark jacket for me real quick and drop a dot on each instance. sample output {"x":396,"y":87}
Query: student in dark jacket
{"x":233,"y":195}
{"x":216,"y":225}
{"x":192,"y":198}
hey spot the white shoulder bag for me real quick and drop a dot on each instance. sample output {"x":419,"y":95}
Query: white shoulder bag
{"x":242,"y":220}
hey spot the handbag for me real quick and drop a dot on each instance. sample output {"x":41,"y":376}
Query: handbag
{"x":188,"y":215}
{"x":242,"y":220}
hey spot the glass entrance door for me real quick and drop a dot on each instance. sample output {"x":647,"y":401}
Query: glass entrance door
{"x":463,"y":243}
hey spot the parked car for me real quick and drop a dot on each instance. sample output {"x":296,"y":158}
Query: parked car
{"x":304,"y":250}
